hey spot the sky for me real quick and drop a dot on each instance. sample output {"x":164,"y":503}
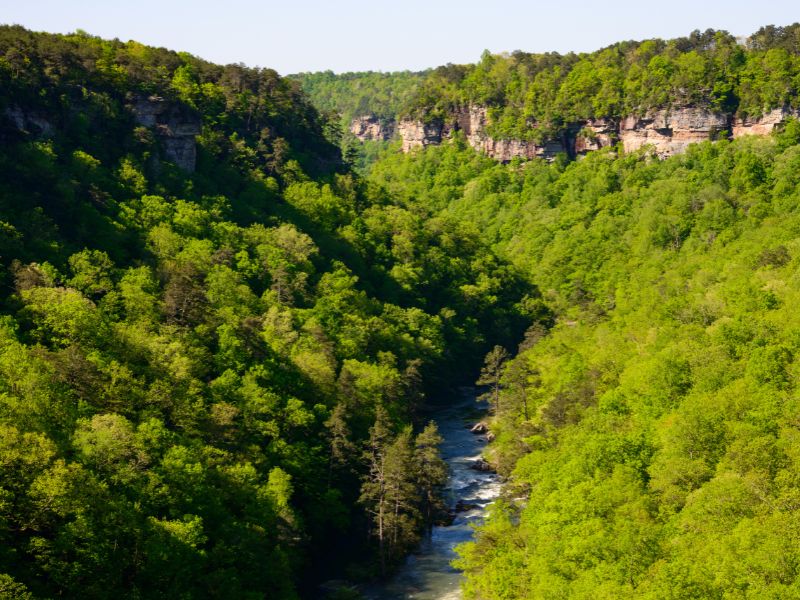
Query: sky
{"x":356,"y":35}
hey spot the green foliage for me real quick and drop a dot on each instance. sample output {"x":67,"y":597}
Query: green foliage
{"x":358,"y":94}
{"x":189,"y":362}
{"x":646,"y":434}
{"x":540,"y":96}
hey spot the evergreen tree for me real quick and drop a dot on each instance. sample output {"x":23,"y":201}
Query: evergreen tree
{"x":491,"y":376}
{"x":431,"y":474}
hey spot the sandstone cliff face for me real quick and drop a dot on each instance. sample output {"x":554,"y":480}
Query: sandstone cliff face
{"x":594,"y":135}
{"x":763,"y":125}
{"x":472,"y":121}
{"x":667,"y":131}
{"x":671,"y":131}
{"x":175,"y":126}
{"x":416,"y":134}
{"x":370,"y":127}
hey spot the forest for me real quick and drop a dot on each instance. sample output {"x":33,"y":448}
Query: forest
{"x":648,"y":435}
{"x":538,"y":96}
{"x":222,"y":323}
{"x":210,"y":378}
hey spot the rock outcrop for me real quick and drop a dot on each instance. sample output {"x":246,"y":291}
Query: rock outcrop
{"x":763,"y":125}
{"x":464,"y":506}
{"x":416,"y":134}
{"x":479,"y":428}
{"x":667,"y":131}
{"x":371,"y":127}
{"x":175,"y":125}
{"x":671,"y":131}
{"x":28,"y":122}
{"x":472,"y":122}
{"x":481,"y":465}
{"x":594,"y":135}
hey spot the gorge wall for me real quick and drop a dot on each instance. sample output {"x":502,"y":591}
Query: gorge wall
{"x":175,"y":125}
{"x":371,"y":127}
{"x":667,"y":131}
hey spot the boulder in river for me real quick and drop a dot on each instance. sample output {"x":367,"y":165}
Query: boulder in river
{"x":462,"y":506}
{"x":481,"y":465}
{"x":479,"y":428}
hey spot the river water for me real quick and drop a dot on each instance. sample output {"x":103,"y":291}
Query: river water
{"x":427,"y":574}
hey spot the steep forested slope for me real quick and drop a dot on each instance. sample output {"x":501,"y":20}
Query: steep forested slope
{"x":650,"y":436}
{"x":365,"y":93}
{"x":211,"y":331}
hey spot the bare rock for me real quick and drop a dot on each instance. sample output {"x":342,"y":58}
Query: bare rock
{"x":763,"y":125}
{"x":417,"y":134}
{"x":595,"y":134}
{"x":668,"y":131}
{"x":671,"y":131}
{"x":462,"y":506}
{"x":371,"y":127}
{"x":481,"y":427}
{"x":472,"y":120}
{"x":176,"y":126}
{"x":482,"y":465}
{"x":28,"y":122}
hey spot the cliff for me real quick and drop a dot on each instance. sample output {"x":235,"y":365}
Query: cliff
{"x":174,"y":125}
{"x":371,"y":127}
{"x":28,"y":122}
{"x":666,"y":131}
{"x":472,"y":121}
{"x":765,"y":124}
{"x":671,"y":131}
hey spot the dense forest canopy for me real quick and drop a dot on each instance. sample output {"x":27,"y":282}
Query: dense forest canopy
{"x":365,"y":93}
{"x":649,"y":438}
{"x":200,"y":369}
{"x":212,"y":360}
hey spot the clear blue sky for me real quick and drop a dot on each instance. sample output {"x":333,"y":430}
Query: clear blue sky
{"x":350,"y":35}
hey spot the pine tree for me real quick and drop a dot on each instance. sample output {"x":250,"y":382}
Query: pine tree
{"x":373,"y":490}
{"x":341,"y":446}
{"x":401,"y":494}
{"x":491,"y":374}
{"x":431,"y":473}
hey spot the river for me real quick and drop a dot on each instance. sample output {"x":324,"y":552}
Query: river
{"x":427,"y":574}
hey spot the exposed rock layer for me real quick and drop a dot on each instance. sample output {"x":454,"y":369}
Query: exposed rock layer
{"x":594,"y":135}
{"x":763,"y":125}
{"x":670,"y":132}
{"x":370,"y":127}
{"x":175,"y":126}
{"x":28,"y":122}
{"x":666,"y":131}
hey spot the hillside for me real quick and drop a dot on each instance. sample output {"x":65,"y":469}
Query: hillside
{"x":649,"y":438}
{"x":211,"y":331}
